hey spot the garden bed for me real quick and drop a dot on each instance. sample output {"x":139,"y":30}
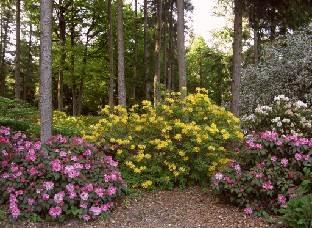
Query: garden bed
{"x":190,"y":207}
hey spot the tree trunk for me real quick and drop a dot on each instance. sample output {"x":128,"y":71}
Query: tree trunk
{"x":146,"y":55}
{"x":256,"y":43}
{"x":72,"y":68}
{"x":237,"y":57}
{"x":60,"y":85}
{"x":181,"y":47}
{"x":135,"y":51}
{"x":45,"y":85}
{"x":27,"y":81}
{"x":18,"y":51}
{"x":165,"y":46}
{"x":83,"y":74}
{"x":157,"y":53}
{"x":121,"y":65}
{"x":111,"y":57}
{"x":3,"y":50}
{"x":171,"y":51}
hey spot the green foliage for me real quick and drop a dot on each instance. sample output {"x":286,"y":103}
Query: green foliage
{"x":267,"y":172}
{"x":18,"y":115}
{"x":180,"y":142}
{"x":283,"y":116}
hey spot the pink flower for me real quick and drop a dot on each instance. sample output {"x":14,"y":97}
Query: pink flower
{"x":70,"y":187}
{"x":306,"y":157}
{"x":63,"y":154}
{"x":72,"y":195}
{"x":267,"y":185}
{"x":273,"y":158}
{"x":86,"y":217}
{"x":15,"y":212}
{"x":55,"y":212}
{"x":73,"y":158}
{"x":248,"y":210}
{"x":5,"y":175}
{"x":73,"y":174}
{"x":284,"y":162}
{"x":298,"y":156}
{"x":45,"y":197}
{"x":39,"y":190}
{"x":215,"y":182}
{"x":87,"y":153}
{"x":58,"y":198}
{"x":56,"y":165}
{"x":83,"y":205}
{"x":95,"y":210}
{"x":87,"y":166}
{"x":10,"y":189}
{"x":48,"y":185}
{"x":104,"y":207}
{"x":30,"y":201}
{"x":4,"y":164}
{"x":218,"y":176}
{"x":99,"y":192}
{"x":111,"y":190}
{"x":281,"y":199}
{"x":84,"y":196}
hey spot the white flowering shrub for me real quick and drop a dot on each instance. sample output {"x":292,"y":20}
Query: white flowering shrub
{"x":284,"y":116}
{"x":285,"y":68}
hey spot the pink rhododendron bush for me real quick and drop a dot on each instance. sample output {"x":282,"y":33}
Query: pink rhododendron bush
{"x":76,"y":178}
{"x":267,"y":172}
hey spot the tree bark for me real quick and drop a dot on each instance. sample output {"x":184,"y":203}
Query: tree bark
{"x":237,"y":57}
{"x":146,"y":55}
{"x":135,"y":50}
{"x":4,"y":35}
{"x":18,"y":51}
{"x":72,"y":68}
{"x":27,"y":81}
{"x":157,"y":53}
{"x":256,"y":43}
{"x":181,"y":47}
{"x":171,"y":51}
{"x":111,"y":57}
{"x":121,"y":65}
{"x":45,"y":85}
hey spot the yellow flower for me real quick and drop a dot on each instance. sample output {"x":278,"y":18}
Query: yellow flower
{"x":132,"y":147}
{"x":176,"y":173}
{"x":196,"y":149}
{"x":181,"y":153}
{"x":186,"y":158}
{"x":178,"y":136}
{"x":146,"y":184}
{"x":119,"y":151}
{"x":212,"y":148}
{"x":148,"y":156}
{"x":182,"y":169}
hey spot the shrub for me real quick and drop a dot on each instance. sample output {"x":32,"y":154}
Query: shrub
{"x":284,"y":116}
{"x":181,"y":141}
{"x":76,"y":179}
{"x":298,"y":212}
{"x":266,"y":173}
{"x":285,"y":68}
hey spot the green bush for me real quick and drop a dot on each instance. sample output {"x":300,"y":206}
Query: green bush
{"x":180,"y":142}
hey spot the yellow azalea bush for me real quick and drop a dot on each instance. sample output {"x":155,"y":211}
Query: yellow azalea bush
{"x":181,"y":141}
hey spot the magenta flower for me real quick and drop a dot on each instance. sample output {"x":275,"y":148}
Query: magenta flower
{"x":284,"y":162}
{"x":248,"y":210}
{"x":267,"y":185}
{"x":218,"y":176}
{"x":86,"y":217}
{"x":30,"y":201}
{"x":87,"y":153}
{"x":273,"y":158}
{"x":298,"y":156}
{"x":48,"y":185}
{"x":45,"y":197}
{"x":15,"y":212}
{"x":95,"y":210}
{"x":70,"y":187}
{"x":58,"y":198}
{"x":84,"y":196}
{"x":55,"y":212}
{"x":99,"y":192}
{"x":281,"y":199}
{"x":111,"y":190}
{"x":56,"y":165}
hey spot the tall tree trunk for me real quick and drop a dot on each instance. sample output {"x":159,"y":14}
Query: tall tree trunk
{"x":27,"y":81}
{"x":83,"y":74}
{"x":237,"y":57}
{"x":171,"y":50}
{"x":60,"y":84}
{"x":146,"y":55}
{"x":72,"y":68}
{"x":157,"y":53}
{"x":135,"y":50}
{"x":165,"y":45}
{"x":181,"y":47}
{"x":121,"y":60}
{"x":18,"y":51}
{"x":45,"y":85}
{"x":111,"y":57}
{"x":4,"y":36}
